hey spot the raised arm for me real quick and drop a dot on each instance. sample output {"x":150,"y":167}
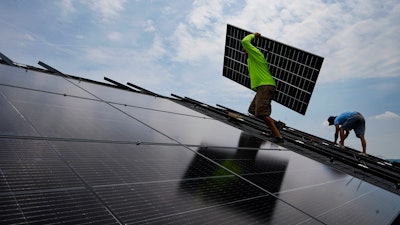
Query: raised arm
{"x":246,"y":43}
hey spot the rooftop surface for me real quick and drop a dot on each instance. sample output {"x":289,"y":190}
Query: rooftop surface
{"x":78,"y":151}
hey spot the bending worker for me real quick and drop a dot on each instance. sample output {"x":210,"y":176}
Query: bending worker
{"x":346,"y":122}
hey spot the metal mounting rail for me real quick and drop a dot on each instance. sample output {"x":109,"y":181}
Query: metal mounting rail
{"x":51,"y":69}
{"x":119,"y":85}
{"x":142,"y":90}
{"x":7,"y":60}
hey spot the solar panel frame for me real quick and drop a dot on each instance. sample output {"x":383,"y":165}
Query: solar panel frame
{"x":295,"y":71}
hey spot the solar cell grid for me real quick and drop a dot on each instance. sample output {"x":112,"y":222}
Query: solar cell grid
{"x":68,"y":207}
{"x":93,"y":170}
{"x":288,"y":65}
{"x":38,"y":168}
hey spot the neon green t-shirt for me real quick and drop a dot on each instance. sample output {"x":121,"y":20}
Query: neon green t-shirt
{"x":257,"y":65}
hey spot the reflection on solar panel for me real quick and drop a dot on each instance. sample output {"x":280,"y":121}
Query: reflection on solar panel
{"x":295,"y":71}
{"x":75,"y":151}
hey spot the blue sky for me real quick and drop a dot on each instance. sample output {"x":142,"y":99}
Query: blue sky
{"x":178,"y":47}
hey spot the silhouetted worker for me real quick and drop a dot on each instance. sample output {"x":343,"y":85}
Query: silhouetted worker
{"x":346,"y":122}
{"x":263,"y":83}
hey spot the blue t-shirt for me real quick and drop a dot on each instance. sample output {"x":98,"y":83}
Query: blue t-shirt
{"x":343,"y":117}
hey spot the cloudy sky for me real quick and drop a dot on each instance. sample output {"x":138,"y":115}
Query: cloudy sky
{"x":178,"y":46}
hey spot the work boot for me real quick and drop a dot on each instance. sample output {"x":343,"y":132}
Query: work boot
{"x":280,"y":125}
{"x":277,"y":140}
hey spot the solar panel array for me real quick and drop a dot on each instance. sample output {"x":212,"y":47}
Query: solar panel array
{"x":80,"y":152}
{"x":295,"y":71}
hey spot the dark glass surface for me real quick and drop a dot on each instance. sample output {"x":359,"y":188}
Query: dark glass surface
{"x":141,"y":101}
{"x":51,"y":116}
{"x":155,"y":162}
{"x":67,"y":206}
{"x":12,"y":122}
{"x":174,"y":125}
{"x":30,"y":79}
{"x":28,"y":165}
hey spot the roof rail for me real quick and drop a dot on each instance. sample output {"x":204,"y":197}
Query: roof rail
{"x":119,"y":85}
{"x":142,"y":90}
{"x":7,"y":60}
{"x":51,"y":69}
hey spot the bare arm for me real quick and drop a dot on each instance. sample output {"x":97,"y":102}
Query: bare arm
{"x":337,"y":128}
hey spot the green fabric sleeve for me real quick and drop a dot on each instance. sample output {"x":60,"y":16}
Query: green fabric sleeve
{"x":257,"y":64}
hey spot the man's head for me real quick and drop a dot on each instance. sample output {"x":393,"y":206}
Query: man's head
{"x":331,"y":120}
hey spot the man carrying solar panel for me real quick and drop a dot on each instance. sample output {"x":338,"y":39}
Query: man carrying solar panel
{"x":263,"y":83}
{"x":346,"y":122}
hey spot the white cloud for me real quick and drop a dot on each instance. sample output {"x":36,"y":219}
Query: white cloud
{"x":387,"y":116}
{"x":114,"y":36}
{"x":29,"y":37}
{"x":97,"y":55}
{"x":157,"y":50}
{"x":362,"y":42}
{"x":168,"y":10}
{"x":108,"y":9}
{"x":149,"y":26}
{"x":80,"y":37}
{"x":205,"y":12}
{"x":191,"y":47}
{"x":67,"y":7}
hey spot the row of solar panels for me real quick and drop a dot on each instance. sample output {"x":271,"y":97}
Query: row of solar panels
{"x":374,"y":165}
{"x":44,"y":189}
{"x":370,"y":168}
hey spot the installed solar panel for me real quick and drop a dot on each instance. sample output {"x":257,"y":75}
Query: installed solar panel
{"x":295,"y":71}
{"x":67,"y":157}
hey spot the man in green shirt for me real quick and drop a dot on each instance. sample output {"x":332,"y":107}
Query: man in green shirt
{"x":263,"y":83}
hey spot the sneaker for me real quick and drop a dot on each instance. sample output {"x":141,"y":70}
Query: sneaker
{"x":340,"y":146}
{"x":362,"y":154}
{"x":280,"y":125}
{"x":277,"y":140}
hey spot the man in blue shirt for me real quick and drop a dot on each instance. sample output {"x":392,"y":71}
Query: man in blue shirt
{"x":346,"y":122}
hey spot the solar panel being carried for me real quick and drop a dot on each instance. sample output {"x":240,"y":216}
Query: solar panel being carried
{"x":295,"y":71}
